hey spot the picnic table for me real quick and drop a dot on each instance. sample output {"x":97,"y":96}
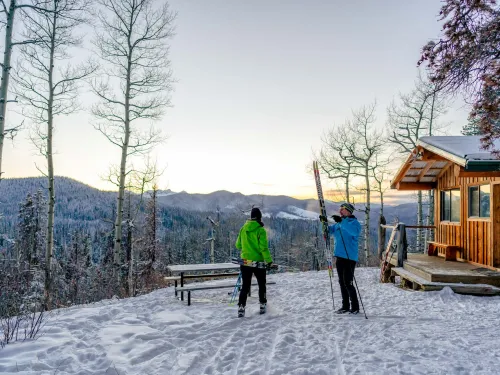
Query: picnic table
{"x":186,"y":271}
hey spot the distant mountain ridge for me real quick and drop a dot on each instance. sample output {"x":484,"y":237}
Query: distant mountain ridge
{"x":85,"y":201}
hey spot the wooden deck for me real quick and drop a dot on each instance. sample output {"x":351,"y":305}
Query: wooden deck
{"x":433,"y":273}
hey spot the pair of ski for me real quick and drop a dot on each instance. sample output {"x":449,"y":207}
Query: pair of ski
{"x":326,"y":234}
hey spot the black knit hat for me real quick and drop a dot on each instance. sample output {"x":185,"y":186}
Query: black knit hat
{"x":349,"y":207}
{"x":256,"y":214}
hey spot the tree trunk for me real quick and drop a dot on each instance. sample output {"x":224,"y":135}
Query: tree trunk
{"x":75,"y":277}
{"x":420,"y":222}
{"x":381,"y":236}
{"x":128,"y":253}
{"x":367,"y":215}
{"x":50,"y":174}
{"x":429,"y":233}
{"x":4,"y":89}
{"x":121,"y":188}
{"x":381,"y":199}
{"x":212,"y":246}
{"x":347,"y":188}
{"x":153,"y":253}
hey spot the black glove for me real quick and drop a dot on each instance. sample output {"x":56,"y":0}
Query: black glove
{"x":269,"y":266}
{"x":337,"y":218}
{"x":323,"y":219}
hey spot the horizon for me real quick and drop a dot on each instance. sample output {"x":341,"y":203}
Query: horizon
{"x":396,"y":196}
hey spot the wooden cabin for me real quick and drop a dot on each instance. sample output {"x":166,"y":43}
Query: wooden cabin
{"x":466,"y":184}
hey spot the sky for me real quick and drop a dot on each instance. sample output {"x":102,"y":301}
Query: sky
{"x":406,"y":332}
{"x":257,"y":83}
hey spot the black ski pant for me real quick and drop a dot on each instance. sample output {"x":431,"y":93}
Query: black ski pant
{"x":345,"y":271}
{"x":246,"y":279}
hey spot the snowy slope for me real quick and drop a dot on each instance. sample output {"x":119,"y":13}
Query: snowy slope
{"x":407,"y":333}
{"x":304,"y":214}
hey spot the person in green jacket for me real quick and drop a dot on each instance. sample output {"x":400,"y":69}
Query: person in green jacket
{"x":252,"y":241}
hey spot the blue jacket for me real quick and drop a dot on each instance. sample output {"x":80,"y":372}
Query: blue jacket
{"x":351,"y":229}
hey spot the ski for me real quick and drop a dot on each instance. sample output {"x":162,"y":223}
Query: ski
{"x":326,"y":234}
{"x":251,"y":263}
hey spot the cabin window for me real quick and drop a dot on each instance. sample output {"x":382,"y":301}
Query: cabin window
{"x":450,"y":205}
{"x":479,"y":201}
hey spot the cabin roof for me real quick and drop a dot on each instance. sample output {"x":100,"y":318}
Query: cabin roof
{"x":463,"y":150}
{"x":433,"y":155}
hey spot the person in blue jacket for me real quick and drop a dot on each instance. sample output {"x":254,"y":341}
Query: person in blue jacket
{"x":346,"y":232}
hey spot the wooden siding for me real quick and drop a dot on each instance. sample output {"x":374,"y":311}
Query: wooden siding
{"x":495,"y":238}
{"x":478,"y":240}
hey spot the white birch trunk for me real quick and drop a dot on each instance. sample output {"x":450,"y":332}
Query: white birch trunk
{"x":429,"y":233}
{"x":117,"y":256}
{"x":4,"y":89}
{"x":420,"y":222}
{"x":50,"y":175}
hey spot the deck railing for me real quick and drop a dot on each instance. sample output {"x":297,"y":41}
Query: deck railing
{"x":398,"y":241}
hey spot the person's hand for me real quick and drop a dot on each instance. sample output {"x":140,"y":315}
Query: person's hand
{"x":269,"y":266}
{"x":337,"y":218}
{"x":323,"y":219}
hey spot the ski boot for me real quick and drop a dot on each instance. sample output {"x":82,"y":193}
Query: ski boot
{"x":342,"y":310}
{"x":262,"y":308}
{"x":241,"y":311}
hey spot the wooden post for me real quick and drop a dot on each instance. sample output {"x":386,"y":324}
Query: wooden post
{"x":402,"y":244}
{"x":381,"y":236}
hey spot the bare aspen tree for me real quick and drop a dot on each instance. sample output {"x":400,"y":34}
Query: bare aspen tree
{"x":138,"y":182}
{"x":47,"y":84}
{"x":381,"y":174}
{"x":334,"y":160}
{"x":369,"y":142}
{"x":134,"y":86}
{"x":8,"y":21}
{"x":412,"y":116}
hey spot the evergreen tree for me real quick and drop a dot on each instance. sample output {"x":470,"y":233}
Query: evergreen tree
{"x":31,"y":229}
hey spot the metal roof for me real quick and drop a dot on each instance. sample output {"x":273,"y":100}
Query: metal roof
{"x":433,"y":155}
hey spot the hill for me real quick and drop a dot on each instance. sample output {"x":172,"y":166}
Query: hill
{"x":183,"y":227}
{"x":82,"y":202}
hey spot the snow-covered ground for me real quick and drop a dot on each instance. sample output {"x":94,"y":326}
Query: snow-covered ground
{"x":406,"y":333}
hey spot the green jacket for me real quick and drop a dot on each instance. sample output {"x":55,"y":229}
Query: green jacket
{"x":252,"y":241}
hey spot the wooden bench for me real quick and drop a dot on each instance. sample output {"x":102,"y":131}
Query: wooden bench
{"x":183,"y":277}
{"x":193,"y":287}
{"x":208,"y":275}
{"x":449,"y":251}
{"x":169,"y":279}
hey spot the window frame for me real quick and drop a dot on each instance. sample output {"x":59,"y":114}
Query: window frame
{"x":442,"y":207}
{"x":478,"y":208}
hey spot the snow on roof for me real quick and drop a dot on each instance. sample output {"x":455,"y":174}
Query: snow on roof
{"x":464,"y":147}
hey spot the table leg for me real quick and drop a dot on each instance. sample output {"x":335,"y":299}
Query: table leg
{"x":182,"y":284}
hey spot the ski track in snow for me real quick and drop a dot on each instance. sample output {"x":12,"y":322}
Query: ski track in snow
{"x":406,"y":332}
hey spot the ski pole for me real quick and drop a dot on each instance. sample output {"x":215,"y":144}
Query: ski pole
{"x":326,"y":232}
{"x":233,"y":296}
{"x":354,"y":277}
